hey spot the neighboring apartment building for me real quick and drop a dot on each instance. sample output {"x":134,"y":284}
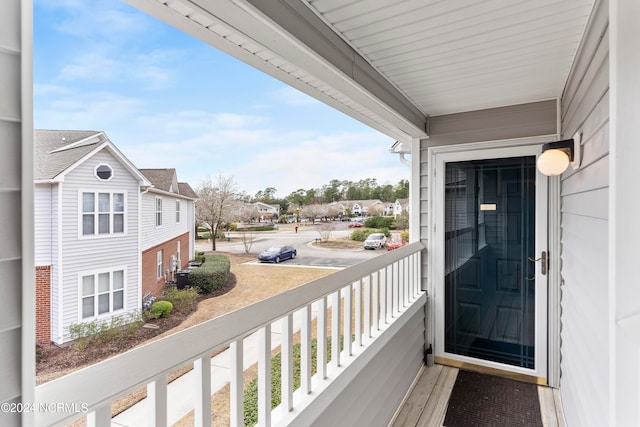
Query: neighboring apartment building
{"x":88,"y":231}
{"x":167,"y":231}
{"x":360,"y":207}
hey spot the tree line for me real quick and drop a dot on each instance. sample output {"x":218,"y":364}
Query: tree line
{"x":335,"y":191}
{"x":221,"y":202}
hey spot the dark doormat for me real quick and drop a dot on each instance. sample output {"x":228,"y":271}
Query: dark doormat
{"x":486,"y":400}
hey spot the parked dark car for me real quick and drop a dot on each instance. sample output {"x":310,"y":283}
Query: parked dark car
{"x":278,"y":253}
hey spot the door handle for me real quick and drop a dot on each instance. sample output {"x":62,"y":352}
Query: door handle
{"x":544,"y":262}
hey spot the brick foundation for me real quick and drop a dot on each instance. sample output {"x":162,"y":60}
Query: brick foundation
{"x":43,"y":304}
{"x":150,"y":282}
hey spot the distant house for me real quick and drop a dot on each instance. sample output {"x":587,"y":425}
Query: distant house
{"x":167,"y":220}
{"x":94,"y":214}
{"x":87,"y":231}
{"x":265,"y":211}
{"x":360,"y":207}
{"x":401,"y":205}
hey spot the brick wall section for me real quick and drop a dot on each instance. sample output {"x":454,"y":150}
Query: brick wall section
{"x":43,"y":304}
{"x":150,"y":283}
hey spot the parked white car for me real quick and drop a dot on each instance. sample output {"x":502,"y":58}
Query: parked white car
{"x":375,"y":241}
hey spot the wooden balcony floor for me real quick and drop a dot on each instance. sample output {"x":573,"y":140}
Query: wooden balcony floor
{"x":426,"y":405}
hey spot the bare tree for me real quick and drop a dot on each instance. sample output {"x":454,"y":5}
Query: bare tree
{"x":325,"y":230}
{"x":313,"y":211}
{"x":214,"y":205}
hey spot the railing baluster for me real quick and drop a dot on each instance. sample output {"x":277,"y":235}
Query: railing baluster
{"x":157,"y":397}
{"x":264,"y":376}
{"x":348,"y":320}
{"x":408,"y":276}
{"x":237,"y":383}
{"x":413,"y":269}
{"x":400,"y":274}
{"x":321,"y":341}
{"x":419,"y":273}
{"x":305,"y":350}
{"x":100,"y":417}
{"x":202,"y":404}
{"x":367,"y":307}
{"x":375,"y":302}
{"x":403,"y":281}
{"x":396,"y":289}
{"x":358,"y":310}
{"x":383,"y":297}
{"x":389,"y":284}
{"x":287,"y":364}
{"x":335,"y":329}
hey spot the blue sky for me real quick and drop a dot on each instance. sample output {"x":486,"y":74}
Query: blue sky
{"x":168,"y":100}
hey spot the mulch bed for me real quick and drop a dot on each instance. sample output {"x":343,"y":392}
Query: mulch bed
{"x":61,"y":360}
{"x":485,"y":400}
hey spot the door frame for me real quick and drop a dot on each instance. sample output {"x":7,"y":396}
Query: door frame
{"x":437,"y":157}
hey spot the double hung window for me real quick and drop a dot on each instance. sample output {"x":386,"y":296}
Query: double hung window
{"x":102,"y":293}
{"x":102,"y":213}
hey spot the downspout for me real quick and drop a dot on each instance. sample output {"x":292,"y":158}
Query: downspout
{"x":140,"y":194}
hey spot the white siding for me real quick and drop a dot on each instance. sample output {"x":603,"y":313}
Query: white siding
{"x":584,"y":381}
{"x":15,"y":383}
{"x":82,"y":254}
{"x":45,"y":218}
{"x":152,"y":235}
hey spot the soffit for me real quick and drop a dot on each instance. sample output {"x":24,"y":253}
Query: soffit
{"x":391,"y":64}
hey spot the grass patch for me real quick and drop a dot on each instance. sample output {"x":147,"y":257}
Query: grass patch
{"x":251,"y":390}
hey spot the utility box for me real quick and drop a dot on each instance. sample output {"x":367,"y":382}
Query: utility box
{"x":182,"y":279}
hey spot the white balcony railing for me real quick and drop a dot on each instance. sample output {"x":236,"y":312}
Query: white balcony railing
{"x":370,"y":296}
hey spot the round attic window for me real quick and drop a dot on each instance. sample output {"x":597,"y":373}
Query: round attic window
{"x":104,"y":172}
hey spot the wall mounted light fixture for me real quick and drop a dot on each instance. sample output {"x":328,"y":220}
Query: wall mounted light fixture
{"x":556,"y":156}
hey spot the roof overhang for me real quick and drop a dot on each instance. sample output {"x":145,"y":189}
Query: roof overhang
{"x":289,"y":42}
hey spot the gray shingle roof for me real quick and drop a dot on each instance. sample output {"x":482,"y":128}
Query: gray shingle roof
{"x":56,"y":150}
{"x":162,"y":179}
{"x":167,"y":180}
{"x":186,"y":190}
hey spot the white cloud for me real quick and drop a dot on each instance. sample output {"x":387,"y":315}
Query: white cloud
{"x":314,"y":162}
{"x":90,"y":20}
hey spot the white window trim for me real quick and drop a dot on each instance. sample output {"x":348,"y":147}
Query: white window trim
{"x":111,"y":312}
{"x":160,"y":264}
{"x":179,"y":255}
{"x":96,"y":235}
{"x":95,"y":172}
{"x":156,"y":211}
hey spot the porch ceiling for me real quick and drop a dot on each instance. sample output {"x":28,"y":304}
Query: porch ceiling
{"x":393,"y":63}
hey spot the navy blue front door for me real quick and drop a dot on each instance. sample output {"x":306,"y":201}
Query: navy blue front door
{"x":489,"y":279}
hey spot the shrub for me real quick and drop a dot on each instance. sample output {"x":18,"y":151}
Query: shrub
{"x":181,"y":299}
{"x":97,"y":331}
{"x":260,"y":228}
{"x":361,"y":235}
{"x":379,"y":222}
{"x":39,"y":352}
{"x":161,"y":309}
{"x":211,"y":275}
{"x":199,"y":257}
{"x":251,"y":390}
{"x":404,"y":236}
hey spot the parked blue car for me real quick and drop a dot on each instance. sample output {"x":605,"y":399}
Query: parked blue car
{"x":278,"y":253}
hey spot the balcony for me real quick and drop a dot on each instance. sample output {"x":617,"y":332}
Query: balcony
{"x":379,"y":304}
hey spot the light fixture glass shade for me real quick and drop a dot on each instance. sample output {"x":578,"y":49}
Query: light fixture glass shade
{"x":553,"y":162}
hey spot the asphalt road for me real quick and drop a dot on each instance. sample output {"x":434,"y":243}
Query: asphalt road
{"x":308,"y":255}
